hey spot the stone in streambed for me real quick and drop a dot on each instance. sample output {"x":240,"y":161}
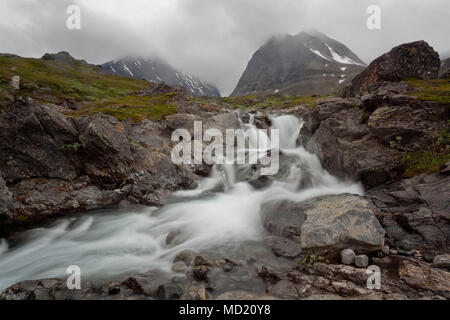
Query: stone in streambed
{"x":200,"y":273}
{"x":179,"y":267}
{"x":348,"y":256}
{"x":362,"y":261}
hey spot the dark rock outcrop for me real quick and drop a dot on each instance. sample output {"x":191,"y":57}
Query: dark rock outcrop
{"x":410,"y":60}
{"x":33,"y":141}
{"x":52,"y":164}
{"x":364,"y":140}
{"x":415,"y":209}
{"x":63,"y":57}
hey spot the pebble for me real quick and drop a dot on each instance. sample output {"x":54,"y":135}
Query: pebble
{"x":393,"y":252}
{"x":200,"y":273}
{"x":179,"y":267}
{"x":405,"y":247}
{"x":348,"y":256}
{"x":385,"y":250}
{"x":201,"y":261}
{"x":362,"y":261}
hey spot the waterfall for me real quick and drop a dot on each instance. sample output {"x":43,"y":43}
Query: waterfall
{"x":223,"y":211}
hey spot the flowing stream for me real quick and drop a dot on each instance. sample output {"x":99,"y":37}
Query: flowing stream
{"x":223,"y":212}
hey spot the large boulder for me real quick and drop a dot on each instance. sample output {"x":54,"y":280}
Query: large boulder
{"x":410,"y":60}
{"x":107,"y":149}
{"x":34,"y":142}
{"x":324,"y":225}
{"x":348,"y":149}
{"x":338,"y":222}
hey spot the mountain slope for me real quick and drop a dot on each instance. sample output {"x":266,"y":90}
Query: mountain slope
{"x":156,"y":70}
{"x":307,"y":63}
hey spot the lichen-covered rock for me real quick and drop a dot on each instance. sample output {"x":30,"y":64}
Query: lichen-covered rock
{"x":324,"y":225}
{"x":337,"y":222}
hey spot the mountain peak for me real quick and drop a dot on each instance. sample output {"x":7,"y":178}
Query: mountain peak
{"x":306,"y":63}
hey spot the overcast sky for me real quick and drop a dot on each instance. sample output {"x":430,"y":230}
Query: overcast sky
{"x":212,"y":39}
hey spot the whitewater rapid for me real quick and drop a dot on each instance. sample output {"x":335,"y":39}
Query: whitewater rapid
{"x":223,"y":211}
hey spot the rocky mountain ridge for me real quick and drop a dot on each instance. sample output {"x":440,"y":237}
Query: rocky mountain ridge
{"x":157,"y":70}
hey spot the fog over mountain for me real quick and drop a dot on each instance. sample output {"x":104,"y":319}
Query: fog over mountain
{"x":212,"y":40}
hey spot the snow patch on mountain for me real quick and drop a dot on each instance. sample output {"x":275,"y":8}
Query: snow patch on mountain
{"x":156,"y":70}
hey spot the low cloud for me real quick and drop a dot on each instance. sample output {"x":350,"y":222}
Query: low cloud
{"x":212,"y":39}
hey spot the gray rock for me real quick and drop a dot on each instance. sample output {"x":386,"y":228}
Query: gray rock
{"x":185,"y":256}
{"x":393,"y":252}
{"x":284,"y":247}
{"x":201,"y":261}
{"x":362,"y":261}
{"x":405,"y":247}
{"x":35,"y":142}
{"x":179,"y":267}
{"x":337,"y":222}
{"x":348,"y":256}
{"x":147,"y":283}
{"x":422,"y":276}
